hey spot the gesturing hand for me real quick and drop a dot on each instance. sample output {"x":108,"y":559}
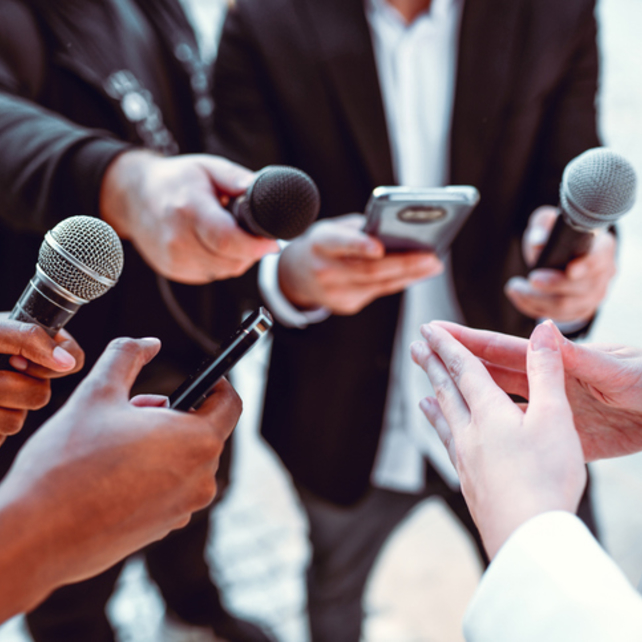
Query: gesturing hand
{"x":603,"y":385}
{"x":513,"y":464}
{"x":36,"y":358}
{"x":337,"y":266}
{"x":170,"y":208}
{"x":572,"y":295}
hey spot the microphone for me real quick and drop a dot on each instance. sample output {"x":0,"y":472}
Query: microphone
{"x":281,"y":203}
{"x":597,"y":188}
{"x":79,"y":260}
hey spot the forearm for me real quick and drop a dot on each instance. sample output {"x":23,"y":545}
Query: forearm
{"x":25,"y":575}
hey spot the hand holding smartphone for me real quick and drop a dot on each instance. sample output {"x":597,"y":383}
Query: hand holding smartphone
{"x":419,"y":219}
{"x":194,"y":390}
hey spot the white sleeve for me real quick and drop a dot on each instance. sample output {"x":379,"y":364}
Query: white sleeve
{"x":552,"y":582}
{"x":285,"y":313}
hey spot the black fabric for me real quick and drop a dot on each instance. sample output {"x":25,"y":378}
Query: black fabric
{"x":295,"y":82}
{"x":60,"y":127}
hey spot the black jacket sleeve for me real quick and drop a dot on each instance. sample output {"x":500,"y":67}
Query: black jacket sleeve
{"x":50,"y":168}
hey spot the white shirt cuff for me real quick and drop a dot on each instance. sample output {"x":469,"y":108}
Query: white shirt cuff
{"x":284,"y":312}
{"x":552,"y":581}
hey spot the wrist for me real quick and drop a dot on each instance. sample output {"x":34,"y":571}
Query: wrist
{"x":121,"y":182}
{"x":287,"y":284}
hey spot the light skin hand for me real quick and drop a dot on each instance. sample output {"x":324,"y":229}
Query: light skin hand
{"x":337,"y":266}
{"x":603,"y":385}
{"x":170,"y":208}
{"x":572,"y":295}
{"x":513,"y":464}
{"x":110,"y":476}
{"x":36,"y":358}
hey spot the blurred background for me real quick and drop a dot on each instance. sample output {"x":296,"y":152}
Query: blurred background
{"x":427,"y":573}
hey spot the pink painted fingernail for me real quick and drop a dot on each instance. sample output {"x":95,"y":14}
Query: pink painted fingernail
{"x":63,"y":358}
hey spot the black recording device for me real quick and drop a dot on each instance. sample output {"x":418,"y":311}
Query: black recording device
{"x":195,"y":389}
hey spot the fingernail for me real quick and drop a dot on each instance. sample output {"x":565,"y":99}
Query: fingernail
{"x":537,"y":235}
{"x":519,"y":285}
{"x":18,"y":363}
{"x":543,"y":338}
{"x":426,"y":332}
{"x":244,"y":181}
{"x":63,"y":358}
{"x":545,"y":277}
{"x":149,"y":341}
{"x":418,"y":350}
{"x":426,"y":404}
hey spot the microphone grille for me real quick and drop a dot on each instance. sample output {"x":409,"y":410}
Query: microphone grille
{"x":284,"y":201}
{"x":89,"y":242}
{"x":597,"y":187}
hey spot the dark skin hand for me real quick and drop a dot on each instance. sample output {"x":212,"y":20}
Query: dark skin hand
{"x":36,"y":359}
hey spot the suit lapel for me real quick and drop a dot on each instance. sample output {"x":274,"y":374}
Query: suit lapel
{"x":343,"y":37}
{"x":488,"y":40}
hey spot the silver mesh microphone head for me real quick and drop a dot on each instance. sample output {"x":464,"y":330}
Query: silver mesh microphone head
{"x":597,"y":188}
{"x":83,"y":255}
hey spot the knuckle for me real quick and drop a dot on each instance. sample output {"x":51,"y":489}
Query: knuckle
{"x":11,"y":421}
{"x":211,"y":447}
{"x":205,"y":492}
{"x":40,"y":395}
{"x":456,"y":368}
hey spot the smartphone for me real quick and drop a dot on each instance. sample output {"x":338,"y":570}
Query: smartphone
{"x":195,"y":389}
{"x":426,"y":219}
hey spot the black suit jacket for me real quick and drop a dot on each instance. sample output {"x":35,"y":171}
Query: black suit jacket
{"x":295,"y":82}
{"x":59,"y":129}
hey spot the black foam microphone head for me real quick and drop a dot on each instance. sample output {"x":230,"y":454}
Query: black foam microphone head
{"x":281,"y":203}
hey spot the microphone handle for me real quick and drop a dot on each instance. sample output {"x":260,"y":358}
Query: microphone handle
{"x":43,"y":305}
{"x":564,"y":244}
{"x":241,"y":210}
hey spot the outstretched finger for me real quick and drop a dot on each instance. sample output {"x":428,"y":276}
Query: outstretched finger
{"x":430,"y":408}
{"x":471,"y":377}
{"x":493,"y":347}
{"x":453,"y":406}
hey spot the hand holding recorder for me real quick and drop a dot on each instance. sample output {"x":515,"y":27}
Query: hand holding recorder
{"x":104,"y":477}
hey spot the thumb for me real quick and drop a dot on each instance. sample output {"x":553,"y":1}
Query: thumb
{"x":537,"y":232}
{"x":226,"y":176}
{"x":545,"y":370}
{"x":114,"y":373}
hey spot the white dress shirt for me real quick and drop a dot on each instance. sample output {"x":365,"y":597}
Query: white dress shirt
{"x":552,"y":582}
{"x":416,"y":65}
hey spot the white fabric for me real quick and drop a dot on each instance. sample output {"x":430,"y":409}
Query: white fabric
{"x":416,"y":65}
{"x":552,"y":582}
{"x":278,"y":305}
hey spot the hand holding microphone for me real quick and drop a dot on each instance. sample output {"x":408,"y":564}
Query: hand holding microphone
{"x":171,"y":209}
{"x":79,"y":260}
{"x":570,"y":248}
